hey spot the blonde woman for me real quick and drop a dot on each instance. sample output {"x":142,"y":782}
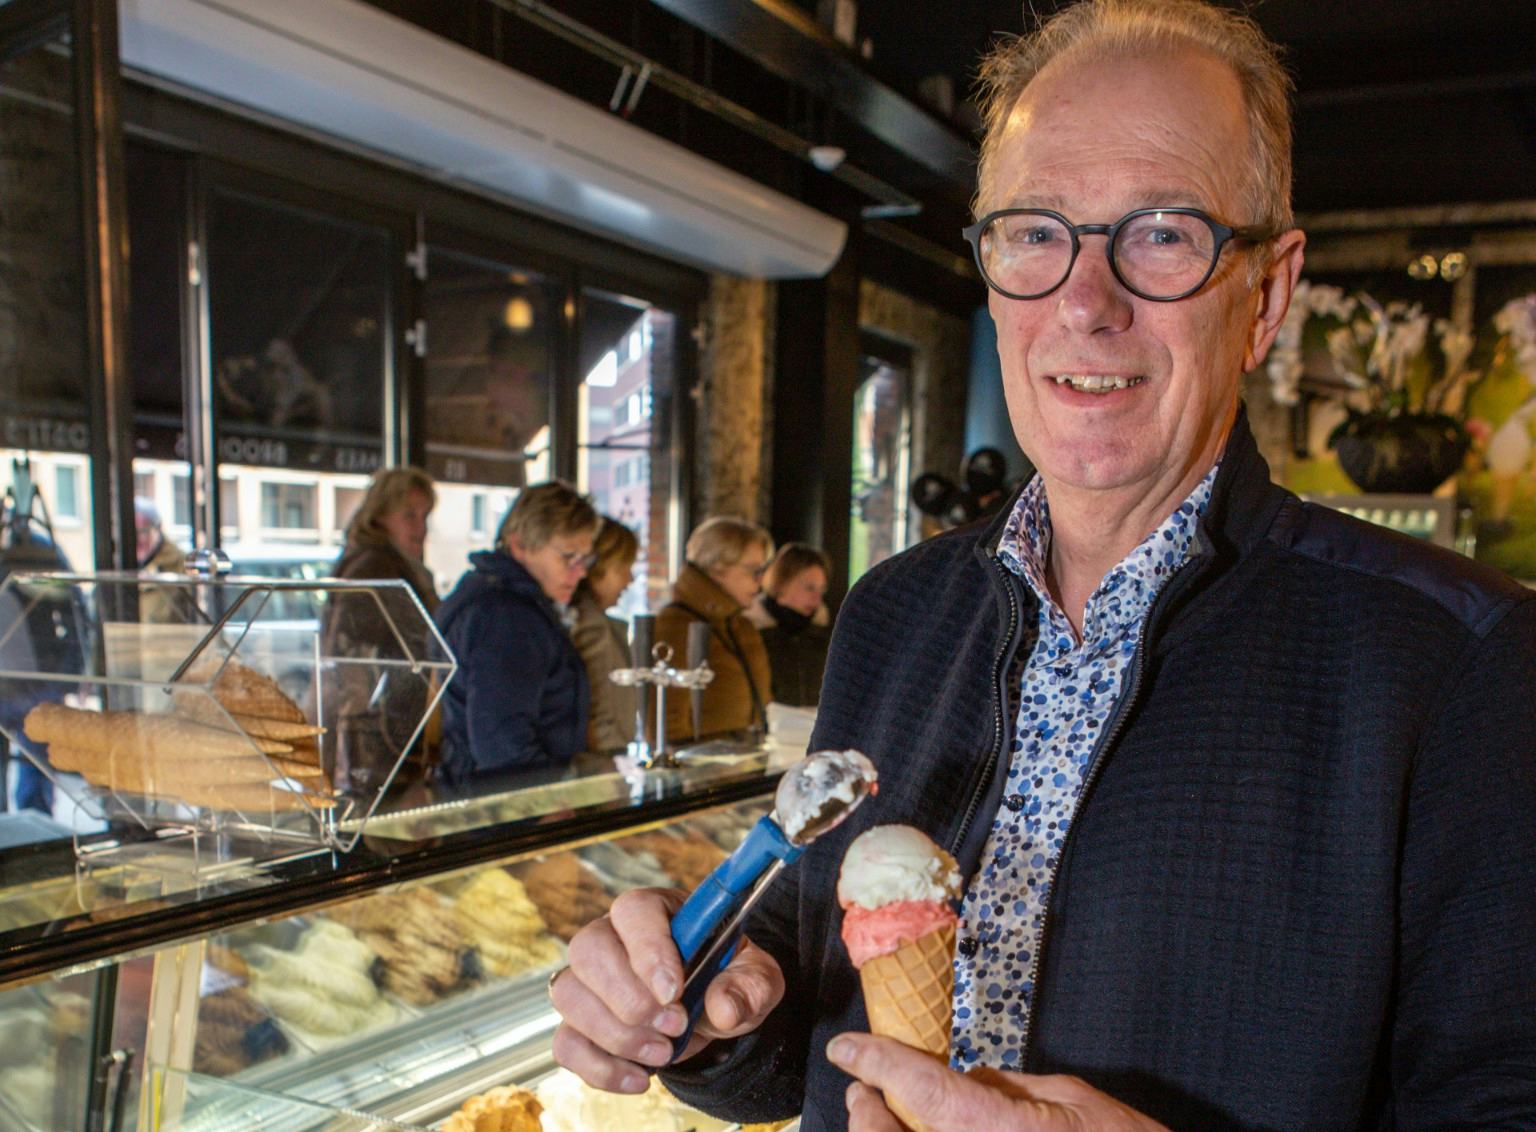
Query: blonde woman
{"x":519,"y":701}
{"x":724,"y":573}
{"x":602,"y":641}
{"x":386,"y":538}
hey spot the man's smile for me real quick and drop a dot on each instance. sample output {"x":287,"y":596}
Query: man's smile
{"x":1097,"y":382}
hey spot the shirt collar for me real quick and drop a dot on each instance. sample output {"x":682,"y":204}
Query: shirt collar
{"x":1125,"y":595}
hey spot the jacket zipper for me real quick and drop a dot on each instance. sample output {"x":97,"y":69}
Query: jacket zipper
{"x":1000,"y":697}
{"x":1106,"y":741}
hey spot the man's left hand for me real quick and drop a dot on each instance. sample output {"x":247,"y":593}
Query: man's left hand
{"x":948,"y":1101}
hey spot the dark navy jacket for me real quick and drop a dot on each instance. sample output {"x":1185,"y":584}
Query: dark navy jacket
{"x":519,"y":699}
{"x":1300,"y":892}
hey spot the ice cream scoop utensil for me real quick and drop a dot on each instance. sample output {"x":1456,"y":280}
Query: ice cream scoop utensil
{"x":813,"y":796}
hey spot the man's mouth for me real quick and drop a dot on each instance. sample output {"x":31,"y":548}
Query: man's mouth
{"x":1097,"y":382}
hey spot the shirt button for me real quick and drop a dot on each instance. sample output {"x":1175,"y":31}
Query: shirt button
{"x":1014,"y":802}
{"x":968,"y":946}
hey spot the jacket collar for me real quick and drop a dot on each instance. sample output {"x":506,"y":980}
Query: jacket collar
{"x":1244,"y":505}
{"x":700,"y":593}
{"x":509,"y":573}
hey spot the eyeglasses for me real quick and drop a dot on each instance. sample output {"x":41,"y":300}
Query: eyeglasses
{"x":575,"y":560}
{"x":1159,"y":254}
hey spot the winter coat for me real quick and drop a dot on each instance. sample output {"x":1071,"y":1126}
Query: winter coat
{"x":604,"y":646}
{"x":737,"y":697}
{"x":797,"y":649}
{"x":369,"y":741}
{"x":1297,"y":892}
{"x":520,"y":698}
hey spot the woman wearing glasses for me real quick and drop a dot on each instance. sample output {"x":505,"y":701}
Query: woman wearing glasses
{"x":726,"y":560}
{"x":519,"y":701}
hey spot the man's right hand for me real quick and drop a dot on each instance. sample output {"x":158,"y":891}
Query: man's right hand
{"x":619,"y":999}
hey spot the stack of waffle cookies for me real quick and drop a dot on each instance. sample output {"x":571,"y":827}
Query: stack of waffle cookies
{"x":247,"y":748}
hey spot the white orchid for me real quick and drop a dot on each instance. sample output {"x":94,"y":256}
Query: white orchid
{"x":1376,"y":351}
{"x":1285,"y":365}
{"x":1517,"y":319}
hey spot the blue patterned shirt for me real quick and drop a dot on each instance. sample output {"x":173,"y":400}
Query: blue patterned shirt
{"x":1069,"y":690}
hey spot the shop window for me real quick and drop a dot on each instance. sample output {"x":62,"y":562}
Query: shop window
{"x":229,"y":507}
{"x":155,"y":182}
{"x":490,"y":370}
{"x":66,"y":493}
{"x":616,"y":434}
{"x":43,"y":414}
{"x":289,"y":507}
{"x":181,"y":500}
{"x":347,"y":501}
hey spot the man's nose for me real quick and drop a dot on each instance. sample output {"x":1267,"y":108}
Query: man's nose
{"x":1092,"y":299}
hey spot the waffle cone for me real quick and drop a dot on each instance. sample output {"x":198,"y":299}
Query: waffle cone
{"x":909,"y":996}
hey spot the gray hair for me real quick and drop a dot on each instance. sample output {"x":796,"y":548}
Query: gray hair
{"x":1104,"y":29}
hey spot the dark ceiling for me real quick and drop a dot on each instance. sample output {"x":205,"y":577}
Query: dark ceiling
{"x":1400,"y":103}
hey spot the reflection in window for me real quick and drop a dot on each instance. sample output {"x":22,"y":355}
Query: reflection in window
{"x":289,"y":507}
{"x":43,"y":302}
{"x":66,"y":493}
{"x":491,"y":333}
{"x":880,"y":452}
{"x":627,"y":367}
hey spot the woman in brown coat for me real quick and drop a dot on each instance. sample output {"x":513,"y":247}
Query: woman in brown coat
{"x":386,"y":539}
{"x":602,"y":641}
{"x":726,"y":560}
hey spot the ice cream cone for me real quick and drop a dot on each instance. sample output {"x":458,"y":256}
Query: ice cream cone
{"x":910,"y":993}
{"x":909,"y":996}
{"x":897,"y":890}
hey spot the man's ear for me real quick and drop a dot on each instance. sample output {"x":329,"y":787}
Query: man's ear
{"x":1275,"y":289}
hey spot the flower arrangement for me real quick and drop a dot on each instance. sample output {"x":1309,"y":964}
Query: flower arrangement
{"x":1516,"y":321}
{"x":1382,"y":361}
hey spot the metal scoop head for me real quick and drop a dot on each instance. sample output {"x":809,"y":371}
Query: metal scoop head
{"x":818,"y":792}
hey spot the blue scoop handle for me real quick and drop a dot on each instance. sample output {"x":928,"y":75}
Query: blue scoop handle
{"x":713,"y":908}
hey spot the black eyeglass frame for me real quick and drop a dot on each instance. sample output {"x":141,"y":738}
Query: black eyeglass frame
{"x":1223,"y":233}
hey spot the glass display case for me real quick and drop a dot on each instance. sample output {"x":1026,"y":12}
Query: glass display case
{"x":230,"y":719}
{"x":398,"y":1007}
{"x":382,"y":986}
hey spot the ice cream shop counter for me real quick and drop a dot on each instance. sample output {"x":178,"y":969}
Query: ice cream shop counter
{"x":158,"y":982}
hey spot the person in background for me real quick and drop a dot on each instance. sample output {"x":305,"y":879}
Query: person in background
{"x":387,"y":534}
{"x":602,"y":640}
{"x":723,"y":574}
{"x":386,"y":540}
{"x":791,"y":614}
{"x":158,"y":555}
{"x":520,"y":698}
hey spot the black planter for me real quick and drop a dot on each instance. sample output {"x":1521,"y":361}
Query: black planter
{"x":1409,"y":455}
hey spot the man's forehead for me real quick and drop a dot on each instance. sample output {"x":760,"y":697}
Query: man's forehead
{"x":1159,"y":196}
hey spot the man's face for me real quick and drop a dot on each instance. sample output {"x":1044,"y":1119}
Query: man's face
{"x":1093,"y":142}
{"x":146,"y":537}
{"x":558,"y":565}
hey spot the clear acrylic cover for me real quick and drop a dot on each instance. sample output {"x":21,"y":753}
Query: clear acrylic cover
{"x":272,"y":706}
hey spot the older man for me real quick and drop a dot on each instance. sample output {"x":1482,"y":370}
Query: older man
{"x":1244,"y":791}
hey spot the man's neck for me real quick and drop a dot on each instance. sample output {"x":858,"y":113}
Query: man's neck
{"x":1093,"y":531}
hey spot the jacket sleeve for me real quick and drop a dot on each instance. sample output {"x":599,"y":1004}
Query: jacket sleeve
{"x":1464,"y":1039}
{"x":591,"y":638}
{"x":505,"y":665}
{"x":760,"y":1076}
